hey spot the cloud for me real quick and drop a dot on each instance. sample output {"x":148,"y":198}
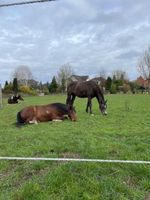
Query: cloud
{"x":90,"y":35}
{"x":129,"y":55}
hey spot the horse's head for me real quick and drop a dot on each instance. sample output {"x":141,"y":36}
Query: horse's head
{"x":72,"y":113}
{"x":103,"y":107}
{"x":20,"y":97}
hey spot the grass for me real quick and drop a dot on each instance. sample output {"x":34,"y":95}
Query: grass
{"x":123,"y":134}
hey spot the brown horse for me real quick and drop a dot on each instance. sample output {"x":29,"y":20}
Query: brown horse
{"x":86,"y":89}
{"x":43,"y":113}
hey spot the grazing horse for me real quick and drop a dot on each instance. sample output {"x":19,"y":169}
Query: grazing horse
{"x":86,"y":89}
{"x":43,"y":113}
{"x":14,"y":99}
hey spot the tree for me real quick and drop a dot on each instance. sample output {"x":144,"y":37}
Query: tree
{"x":53,"y":86}
{"x":8,"y":87}
{"x":108,"y":83}
{"x":23,"y":75}
{"x":144,"y":66}
{"x":120,"y":75}
{"x":6,"y":83}
{"x":126,"y":88}
{"x":113,"y":89}
{"x":15,"y":86}
{"x":63,"y":75}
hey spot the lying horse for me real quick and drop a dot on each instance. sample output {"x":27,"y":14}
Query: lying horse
{"x":14,"y":99}
{"x":86,"y":89}
{"x":43,"y":113}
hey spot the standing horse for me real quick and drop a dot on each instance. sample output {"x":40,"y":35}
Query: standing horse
{"x":43,"y":113}
{"x":86,"y":89}
{"x":14,"y":99}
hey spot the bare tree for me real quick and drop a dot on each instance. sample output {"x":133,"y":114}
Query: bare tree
{"x":102,"y":73}
{"x":64,"y":74}
{"x":144,"y":66}
{"x":120,"y":75}
{"x":23,"y":75}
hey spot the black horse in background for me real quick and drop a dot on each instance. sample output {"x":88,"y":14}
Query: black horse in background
{"x":86,"y":89}
{"x":14,"y":99}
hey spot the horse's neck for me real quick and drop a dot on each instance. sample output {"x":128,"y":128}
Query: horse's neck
{"x":100,"y":97}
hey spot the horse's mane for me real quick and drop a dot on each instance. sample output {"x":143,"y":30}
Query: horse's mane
{"x":60,"y":106}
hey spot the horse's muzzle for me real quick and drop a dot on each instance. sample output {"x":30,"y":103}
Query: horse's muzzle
{"x":105,"y":113}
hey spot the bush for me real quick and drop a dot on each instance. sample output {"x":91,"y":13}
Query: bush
{"x":27,"y":90}
{"x":8,"y":89}
{"x":113,"y":89}
{"x":126,"y":88}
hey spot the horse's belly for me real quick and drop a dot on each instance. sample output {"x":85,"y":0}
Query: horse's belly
{"x":82,"y":95}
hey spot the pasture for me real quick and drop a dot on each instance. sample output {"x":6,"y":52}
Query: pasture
{"x":123,"y":134}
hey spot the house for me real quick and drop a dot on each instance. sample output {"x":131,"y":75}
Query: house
{"x":141,"y":82}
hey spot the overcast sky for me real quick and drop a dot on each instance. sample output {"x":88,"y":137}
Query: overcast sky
{"x":91,"y":35}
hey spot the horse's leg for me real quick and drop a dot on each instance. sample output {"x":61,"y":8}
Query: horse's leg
{"x":31,"y":120}
{"x":68,"y":100}
{"x":73,"y":98}
{"x":58,"y":119}
{"x":89,"y":105}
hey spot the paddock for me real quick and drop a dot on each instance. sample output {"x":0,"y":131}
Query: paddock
{"x":121,"y":135}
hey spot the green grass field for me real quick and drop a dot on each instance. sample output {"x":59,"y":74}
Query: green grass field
{"x":123,"y":134}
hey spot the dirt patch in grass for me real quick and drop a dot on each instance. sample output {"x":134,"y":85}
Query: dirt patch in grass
{"x":131,"y":181}
{"x":69,"y":155}
{"x":147,"y":196}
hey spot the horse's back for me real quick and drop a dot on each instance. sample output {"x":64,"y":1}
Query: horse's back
{"x":83,"y":88}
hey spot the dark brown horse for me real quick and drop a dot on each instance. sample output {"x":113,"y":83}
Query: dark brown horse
{"x":86,"y":89}
{"x":14,"y":99}
{"x":43,"y":113}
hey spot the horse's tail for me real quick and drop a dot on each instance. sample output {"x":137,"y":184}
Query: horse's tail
{"x":20,"y":120}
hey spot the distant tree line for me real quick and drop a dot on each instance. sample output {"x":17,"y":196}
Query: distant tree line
{"x":23,"y":81}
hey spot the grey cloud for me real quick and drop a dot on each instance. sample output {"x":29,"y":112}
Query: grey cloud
{"x":129,"y":55}
{"x":90,"y":35}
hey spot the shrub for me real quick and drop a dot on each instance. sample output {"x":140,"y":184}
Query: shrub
{"x":27,"y":90}
{"x":113,"y":89}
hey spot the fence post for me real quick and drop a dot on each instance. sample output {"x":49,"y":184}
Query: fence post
{"x":1,"y":102}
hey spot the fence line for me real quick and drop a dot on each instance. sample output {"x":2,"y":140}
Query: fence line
{"x":76,"y":160}
{"x":1,"y":102}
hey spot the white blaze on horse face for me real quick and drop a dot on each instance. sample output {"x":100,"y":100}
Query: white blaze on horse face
{"x":105,"y":112}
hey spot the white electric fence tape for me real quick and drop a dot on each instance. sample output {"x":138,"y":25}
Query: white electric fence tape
{"x":76,"y":160}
